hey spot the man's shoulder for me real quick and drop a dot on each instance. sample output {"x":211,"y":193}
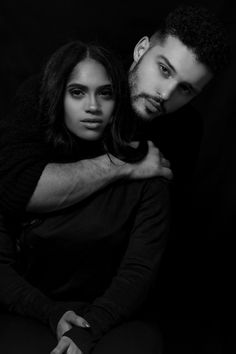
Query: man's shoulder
{"x":182,"y":125}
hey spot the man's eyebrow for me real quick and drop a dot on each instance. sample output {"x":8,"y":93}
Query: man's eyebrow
{"x":167,"y":62}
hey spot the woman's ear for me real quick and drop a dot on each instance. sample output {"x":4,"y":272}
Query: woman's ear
{"x":140,"y":48}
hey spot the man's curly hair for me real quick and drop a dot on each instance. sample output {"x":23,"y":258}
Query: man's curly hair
{"x":201,"y":31}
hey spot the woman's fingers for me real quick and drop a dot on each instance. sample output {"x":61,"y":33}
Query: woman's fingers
{"x":77,"y":320}
{"x":62,"y":346}
{"x":69,"y":319}
{"x":73,"y":349}
{"x":66,"y":345}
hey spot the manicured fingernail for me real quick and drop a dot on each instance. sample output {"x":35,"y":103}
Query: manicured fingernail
{"x":85,"y":324}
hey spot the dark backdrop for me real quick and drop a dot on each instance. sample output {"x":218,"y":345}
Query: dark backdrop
{"x":31,"y":30}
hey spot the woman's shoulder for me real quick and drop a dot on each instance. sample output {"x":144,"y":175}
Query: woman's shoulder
{"x":153,"y":185}
{"x":156,"y":187}
{"x":144,"y":189}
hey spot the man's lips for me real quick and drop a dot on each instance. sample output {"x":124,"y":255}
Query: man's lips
{"x":153,"y":105}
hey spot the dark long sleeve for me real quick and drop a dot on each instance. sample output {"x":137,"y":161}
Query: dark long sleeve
{"x":23,"y":153}
{"x":20,"y":297}
{"x":130,"y":286}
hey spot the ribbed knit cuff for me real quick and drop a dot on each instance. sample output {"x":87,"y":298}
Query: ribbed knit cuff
{"x":83,"y":338}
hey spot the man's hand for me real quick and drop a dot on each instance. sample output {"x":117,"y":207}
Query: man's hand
{"x":153,"y":165}
{"x":68,"y":320}
{"x":66,"y":345}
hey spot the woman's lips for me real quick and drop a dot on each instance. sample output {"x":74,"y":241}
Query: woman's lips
{"x":92,"y":123}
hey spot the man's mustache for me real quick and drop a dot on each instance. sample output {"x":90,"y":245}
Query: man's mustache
{"x":157,"y":99}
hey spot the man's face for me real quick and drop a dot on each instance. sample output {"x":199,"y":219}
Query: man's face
{"x":164,"y":77}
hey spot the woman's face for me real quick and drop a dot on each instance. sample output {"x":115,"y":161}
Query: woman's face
{"x":88,"y":100}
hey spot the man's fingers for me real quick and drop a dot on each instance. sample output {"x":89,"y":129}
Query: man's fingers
{"x":62,"y":346}
{"x":165,"y":162}
{"x":150,"y":143}
{"x":167,"y":173}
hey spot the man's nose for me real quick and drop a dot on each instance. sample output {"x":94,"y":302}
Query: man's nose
{"x":168,"y":90}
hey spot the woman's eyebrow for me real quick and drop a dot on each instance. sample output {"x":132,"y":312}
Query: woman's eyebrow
{"x":107,"y":86}
{"x":84,"y":87}
{"x":77,"y":85}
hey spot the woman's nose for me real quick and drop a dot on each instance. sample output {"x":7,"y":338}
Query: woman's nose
{"x":92,"y":104}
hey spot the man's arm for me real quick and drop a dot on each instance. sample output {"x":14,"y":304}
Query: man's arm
{"x":62,"y":185}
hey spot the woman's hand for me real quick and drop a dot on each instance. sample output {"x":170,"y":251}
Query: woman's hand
{"x":66,"y":345}
{"x":67,"y":321}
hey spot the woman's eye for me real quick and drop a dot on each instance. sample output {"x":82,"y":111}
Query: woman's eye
{"x":106,"y":93}
{"x":164,"y":70}
{"x":76,"y":93}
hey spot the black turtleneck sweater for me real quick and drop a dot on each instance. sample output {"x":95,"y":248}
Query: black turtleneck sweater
{"x":98,"y":257}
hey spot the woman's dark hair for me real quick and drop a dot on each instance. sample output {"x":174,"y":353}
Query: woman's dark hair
{"x":56,"y":73}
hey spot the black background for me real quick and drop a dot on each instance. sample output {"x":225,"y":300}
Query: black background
{"x":31,"y":30}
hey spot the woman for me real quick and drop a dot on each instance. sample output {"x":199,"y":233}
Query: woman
{"x":87,"y":269}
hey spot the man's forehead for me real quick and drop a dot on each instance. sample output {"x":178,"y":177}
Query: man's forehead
{"x":174,"y":50}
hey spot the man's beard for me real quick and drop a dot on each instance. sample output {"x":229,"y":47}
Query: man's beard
{"x":145,"y":115}
{"x":133,"y":78}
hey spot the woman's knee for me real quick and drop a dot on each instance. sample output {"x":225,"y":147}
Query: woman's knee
{"x":23,"y":335}
{"x":132,"y":338}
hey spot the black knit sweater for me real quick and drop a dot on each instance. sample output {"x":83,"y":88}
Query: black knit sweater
{"x":121,"y":229}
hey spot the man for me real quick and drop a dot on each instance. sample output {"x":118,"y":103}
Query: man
{"x":169,"y":70}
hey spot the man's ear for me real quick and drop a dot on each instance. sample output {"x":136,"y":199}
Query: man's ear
{"x":140,"y":48}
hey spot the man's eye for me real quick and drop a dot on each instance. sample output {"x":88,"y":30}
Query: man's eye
{"x":164,"y":70}
{"x":185,"y":90}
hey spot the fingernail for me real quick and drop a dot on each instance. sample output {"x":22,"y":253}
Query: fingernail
{"x":85,"y":324}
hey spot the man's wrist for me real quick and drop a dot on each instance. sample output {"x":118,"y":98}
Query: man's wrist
{"x":117,"y":168}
